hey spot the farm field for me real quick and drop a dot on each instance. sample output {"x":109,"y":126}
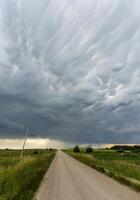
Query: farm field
{"x":19,"y":179}
{"x":124,"y":167}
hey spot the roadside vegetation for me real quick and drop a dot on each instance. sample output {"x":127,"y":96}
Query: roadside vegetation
{"x":19,"y":179}
{"x":120,"y":163}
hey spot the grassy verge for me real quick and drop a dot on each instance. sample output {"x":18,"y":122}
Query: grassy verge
{"x":124,"y":168}
{"x":20,"y":179}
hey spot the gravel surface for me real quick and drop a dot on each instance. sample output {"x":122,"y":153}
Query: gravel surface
{"x":69,"y":179}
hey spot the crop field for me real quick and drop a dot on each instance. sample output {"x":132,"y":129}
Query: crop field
{"x":19,"y":179}
{"x":122,"y":166}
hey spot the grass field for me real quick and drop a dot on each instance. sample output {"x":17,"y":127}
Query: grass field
{"x":19,"y":179}
{"x":124,"y":167}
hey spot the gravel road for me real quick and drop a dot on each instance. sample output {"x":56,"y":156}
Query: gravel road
{"x":69,"y":179}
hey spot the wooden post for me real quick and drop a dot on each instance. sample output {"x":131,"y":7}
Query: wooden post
{"x":24,"y":143}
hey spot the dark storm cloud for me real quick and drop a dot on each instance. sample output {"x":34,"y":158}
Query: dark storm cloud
{"x":70,"y":69}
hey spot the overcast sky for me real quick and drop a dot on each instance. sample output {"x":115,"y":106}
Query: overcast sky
{"x":70,"y":69}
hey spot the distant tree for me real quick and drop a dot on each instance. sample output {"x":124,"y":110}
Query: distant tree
{"x":76,"y":149}
{"x":89,"y":150}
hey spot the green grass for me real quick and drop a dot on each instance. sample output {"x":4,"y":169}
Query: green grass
{"x":124,"y":167}
{"x":19,"y":179}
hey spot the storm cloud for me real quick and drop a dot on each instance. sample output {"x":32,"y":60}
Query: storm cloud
{"x":70,"y":70}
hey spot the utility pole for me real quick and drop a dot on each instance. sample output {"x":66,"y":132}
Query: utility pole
{"x":28,"y":128}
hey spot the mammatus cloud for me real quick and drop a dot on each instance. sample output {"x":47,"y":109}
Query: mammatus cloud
{"x":70,"y":69}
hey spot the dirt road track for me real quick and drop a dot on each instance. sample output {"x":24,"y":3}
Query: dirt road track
{"x":68,"y":179}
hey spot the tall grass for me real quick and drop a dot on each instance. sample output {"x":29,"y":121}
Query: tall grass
{"x":121,"y":168}
{"x":19,"y":180}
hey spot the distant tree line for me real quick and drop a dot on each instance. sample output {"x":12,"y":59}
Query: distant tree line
{"x":118,"y":148}
{"x":125,"y":147}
